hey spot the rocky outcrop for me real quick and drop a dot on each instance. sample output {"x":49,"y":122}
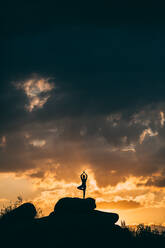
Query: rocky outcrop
{"x":83,"y":208}
{"x":74,"y":205}
{"x":26,"y":211}
{"x":73,"y":223}
{"x":67,"y":211}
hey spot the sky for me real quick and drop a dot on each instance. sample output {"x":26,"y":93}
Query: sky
{"x":82,"y":88}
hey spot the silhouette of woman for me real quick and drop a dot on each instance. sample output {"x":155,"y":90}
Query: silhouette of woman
{"x":83,"y":177}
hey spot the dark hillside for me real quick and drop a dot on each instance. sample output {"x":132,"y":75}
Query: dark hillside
{"x":74,"y":223}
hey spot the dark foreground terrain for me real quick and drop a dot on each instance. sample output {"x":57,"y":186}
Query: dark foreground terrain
{"x":74,"y":223}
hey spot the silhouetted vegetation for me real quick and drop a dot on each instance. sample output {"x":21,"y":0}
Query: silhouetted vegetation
{"x":11,"y":206}
{"x":144,"y":236}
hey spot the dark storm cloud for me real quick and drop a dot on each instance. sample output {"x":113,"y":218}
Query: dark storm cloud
{"x":30,"y":17}
{"x":96,"y":71}
{"x":39,"y":174}
{"x":158,"y":181}
{"x":109,"y":87}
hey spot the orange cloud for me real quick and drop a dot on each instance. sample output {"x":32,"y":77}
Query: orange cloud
{"x":123,"y":204}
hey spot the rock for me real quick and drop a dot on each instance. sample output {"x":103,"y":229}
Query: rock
{"x":105,"y":217}
{"x":51,"y":214}
{"x":71,"y":210}
{"x":74,"y":205}
{"x":74,"y":223}
{"x":26,"y":211}
{"x":85,"y":208}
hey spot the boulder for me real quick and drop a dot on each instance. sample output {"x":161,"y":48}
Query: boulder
{"x":85,"y":209}
{"x":26,"y":211}
{"x":74,"y":222}
{"x":74,"y":205}
{"x":105,"y":217}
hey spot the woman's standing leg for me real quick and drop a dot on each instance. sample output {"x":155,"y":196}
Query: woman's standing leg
{"x":84,"y":189}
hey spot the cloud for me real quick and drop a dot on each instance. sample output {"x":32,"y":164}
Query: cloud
{"x":146,"y":132}
{"x":36,"y":89}
{"x":103,"y":147}
{"x":123,"y":204}
{"x":3,"y":200}
{"x":99,"y":109}
{"x":37,"y":143}
{"x":158,"y":181}
{"x":3,"y":142}
{"x":162,"y":120}
{"x":105,"y":15}
{"x":131,"y":148}
{"x":38,"y":174}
